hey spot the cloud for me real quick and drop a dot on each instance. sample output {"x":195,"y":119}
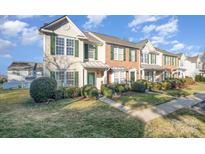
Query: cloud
{"x":142,"y":19}
{"x":6,"y":56}
{"x":25,"y":16}
{"x":177,"y":47}
{"x":30,"y":35}
{"x":148,"y":29}
{"x":5,"y":44}
{"x":94,"y":21}
{"x":12,"y":28}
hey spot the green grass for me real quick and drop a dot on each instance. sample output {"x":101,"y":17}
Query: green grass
{"x":182,"y":123}
{"x":143,"y":100}
{"x":19,"y":117}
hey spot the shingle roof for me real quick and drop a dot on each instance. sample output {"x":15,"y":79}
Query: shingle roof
{"x":141,"y":44}
{"x":166,"y":52}
{"x":192,"y":59}
{"x":92,"y":38}
{"x":115,"y":40}
{"x":22,"y":66}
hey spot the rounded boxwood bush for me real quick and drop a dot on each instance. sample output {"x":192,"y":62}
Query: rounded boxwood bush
{"x":42,"y":89}
{"x":72,"y":92}
{"x":156,"y":86}
{"x":88,"y":90}
{"x":107,"y":92}
{"x":138,"y":86}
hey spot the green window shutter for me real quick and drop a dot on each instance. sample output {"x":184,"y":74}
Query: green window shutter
{"x":52,"y":44}
{"x":124,"y":54}
{"x":76,"y":48}
{"x":96,"y":52}
{"x":52,"y":75}
{"x":85,"y":51}
{"x":76,"y":79}
{"x":111,"y":52}
{"x":130,"y":58}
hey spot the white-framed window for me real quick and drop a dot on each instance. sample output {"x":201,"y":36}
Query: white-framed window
{"x":91,"y":51}
{"x":70,"y":76}
{"x":60,"y":76}
{"x":70,"y":46}
{"x":133,"y":55}
{"x":60,"y":45}
{"x":118,"y":53}
{"x":64,"y":45}
{"x":119,"y":76}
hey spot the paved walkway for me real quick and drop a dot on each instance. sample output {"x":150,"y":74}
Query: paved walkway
{"x":149,"y":114}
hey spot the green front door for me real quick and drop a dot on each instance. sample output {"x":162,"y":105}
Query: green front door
{"x":91,"y":78}
{"x":132,"y":76}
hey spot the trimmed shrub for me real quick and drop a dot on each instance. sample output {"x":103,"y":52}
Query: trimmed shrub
{"x":119,"y":88}
{"x":188,"y":80}
{"x":42,"y":89}
{"x":94,"y":93}
{"x":156,"y":86}
{"x":138,"y":86}
{"x":72,"y":92}
{"x":166,"y":85}
{"x":199,"y":78}
{"x":59,"y":94}
{"x":107,"y":92}
{"x":89,"y":91}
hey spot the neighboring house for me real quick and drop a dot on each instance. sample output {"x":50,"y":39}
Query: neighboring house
{"x":170,"y":63}
{"x":72,"y":57}
{"x":151,"y":62}
{"x":21,"y":71}
{"x":192,"y":66}
{"x":122,"y":57}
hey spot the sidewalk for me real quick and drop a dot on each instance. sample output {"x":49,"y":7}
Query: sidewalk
{"x":149,"y":114}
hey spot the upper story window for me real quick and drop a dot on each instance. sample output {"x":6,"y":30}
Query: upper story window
{"x":60,"y":46}
{"x":70,"y":45}
{"x":169,"y":60}
{"x":118,"y":53}
{"x":153,"y":58}
{"x":133,"y":55}
{"x":91,"y":51}
{"x":64,"y":46}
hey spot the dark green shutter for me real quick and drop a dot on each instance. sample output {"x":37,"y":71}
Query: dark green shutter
{"x":52,"y":75}
{"x":130,"y":55}
{"x":52,"y":44}
{"x":96,"y":52}
{"x":76,"y":79}
{"x":76,"y":48}
{"x":135,"y":55}
{"x":124,"y":54}
{"x":111,"y":52}
{"x":85,"y":51}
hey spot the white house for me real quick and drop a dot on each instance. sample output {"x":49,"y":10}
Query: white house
{"x":71,"y":56}
{"x":22,"y":71}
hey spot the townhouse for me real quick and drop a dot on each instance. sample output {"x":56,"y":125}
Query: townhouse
{"x":76,"y":58}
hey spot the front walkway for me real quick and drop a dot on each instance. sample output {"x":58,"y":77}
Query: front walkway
{"x":149,"y":114}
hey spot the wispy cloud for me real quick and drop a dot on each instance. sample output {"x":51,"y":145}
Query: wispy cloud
{"x":8,"y":56}
{"x":93,"y":21}
{"x":5,"y":44}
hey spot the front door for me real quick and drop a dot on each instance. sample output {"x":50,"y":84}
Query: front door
{"x":91,"y":78}
{"x":132,"y":76}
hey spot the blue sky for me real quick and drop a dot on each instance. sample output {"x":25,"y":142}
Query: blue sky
{"x":20,"y":41}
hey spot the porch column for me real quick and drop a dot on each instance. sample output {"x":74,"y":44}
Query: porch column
{"x":154,"y":76}
{"x":143,"y":74}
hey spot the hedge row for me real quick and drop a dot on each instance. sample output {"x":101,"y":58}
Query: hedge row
{"x":199,"y":78}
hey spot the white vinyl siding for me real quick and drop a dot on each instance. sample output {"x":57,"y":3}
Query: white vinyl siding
{"x":118,"y":53}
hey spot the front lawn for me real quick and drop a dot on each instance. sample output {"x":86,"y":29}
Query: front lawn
{"x":138,"y":101}
{"x":182,"y":123}
{"x":19,"y":117}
